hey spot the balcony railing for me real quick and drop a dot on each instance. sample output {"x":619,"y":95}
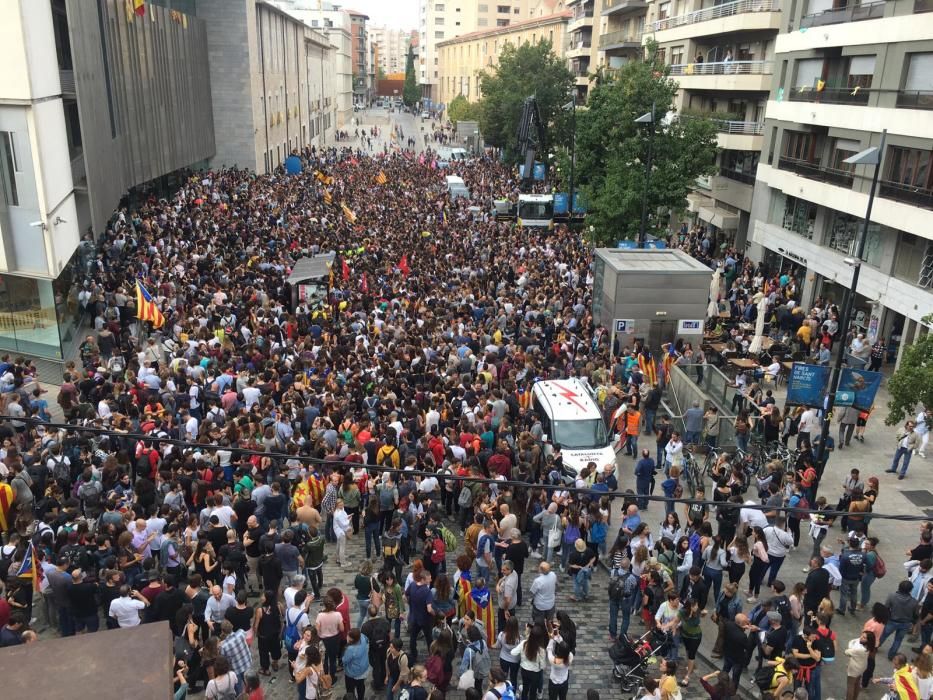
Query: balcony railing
{"x":78,"y":170}
{"x":813,"y":171}
{"x":582,"y":14}
{"x":67,"y":80}
{"x":724,"y":68}
{"x":716,"y":12}
{"x":906,"y":193}
{"x":617,"y":38}
{"x":853,"y":12}
{"x":915,"y":99}
{"x":833,"y":96}
{"x":745,"y":178}
{"x":731,"y":127}
{"x":923,"y":6}
{"x":624,"y":6}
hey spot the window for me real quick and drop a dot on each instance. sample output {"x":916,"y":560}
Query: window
{"x":438,"y":20}
{"x":842,"y":149}
{"x":502,"y":23}
{"x":808,"y":72}
{"x":503,"y":9}
{"x":910,"y":167}
{"x":438,"y":35}
{"x":861,"y":71}
{"x":797,"y":215}
{"x":515,"y":11}
{"x":677,"y":55}
{"x":919,"y":72}
{"x":740,"y":162}
{"x":482,"y":22}
{"x":799,"y":145}
{"x":438,"y":7}
{"x":843,"y":236}
{"x":914,"y":260}
{"x":8,"y":194}
{"x":664,"y":10}
{"x":482,"y":8}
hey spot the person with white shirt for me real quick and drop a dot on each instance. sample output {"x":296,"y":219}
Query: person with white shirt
{"x":780,"y":541}
{"x":225,"y":514}
{"x":922,"y":428}
{"x":251,"y":394}
{"x":753,"y":517}
{"x":190,"y":423}
{"x":342,"y":530}
{"x":561,"y":658}
{"x":125,"y":609}
{"x":103,"y":410}
{"x":808,"y":427}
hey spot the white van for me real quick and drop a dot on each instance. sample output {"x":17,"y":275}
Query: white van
{"x":456,"y":187}
{"x":571,"y":418}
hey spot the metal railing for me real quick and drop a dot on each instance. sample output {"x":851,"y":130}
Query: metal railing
{"x":731,"y":127}
{"x":813,"y":171}
{"x":619,"y":37}
{"x":78,"y":171}
{"x":582,"y":14}
{"x":745,"y":178}
{"x":834,"y":95}
{"x":727,"y":9}
{"x":907,"y":193}
{"x":67,"y":80}
{"x":853,"y":12}
{"x":724,"y":68}
{"x":915,"y":99}
{"x":579,"y":45}
{"x":616,"y":5}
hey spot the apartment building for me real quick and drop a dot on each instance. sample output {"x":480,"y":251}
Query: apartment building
{"x":842,"y":74}
{"x":334,"y":23}
{"x":272,"y":78}
{"x":722,"y":57}
{"x":392,"y":46}
{"x":84,"y":117}
{"x":463,"y":58}
{"x":441,"y":20}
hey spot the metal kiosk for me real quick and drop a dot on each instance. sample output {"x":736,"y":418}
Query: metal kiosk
{"x":653,"y":296}
{"x":310,"y":280}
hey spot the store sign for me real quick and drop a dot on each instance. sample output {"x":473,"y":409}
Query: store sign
{"x":792,"y":256}
{"x":687,"y":327}
{"x":624,"y":325}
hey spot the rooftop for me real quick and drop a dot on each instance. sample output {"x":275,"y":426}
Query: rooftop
{"x":524,"y":24}
{"x":665,"y":261}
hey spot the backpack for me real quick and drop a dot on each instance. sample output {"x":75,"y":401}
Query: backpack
{"x":60,"y":470}
{"x":827,"y":646}
{"x":450,"y":539}
{"x":764,"y":676}
{"x":621,"y":587}
{"x":439,"y":552}
{"x":465,"y":499}
{"x":479,"y":662}
{"x":226,"y":694}
{"x":386,"y":498}
{"x":880,"y":567}
{"x":781,"y":604}
{"x":291,"y":634}
{"x":507,"y":694}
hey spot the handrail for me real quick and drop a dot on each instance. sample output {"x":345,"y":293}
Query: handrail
{"x":717,"y":11}
{"x":618,"y":37}
{"x":723,"y":68}
{"x":853,"y":12}
{"x":730,"y":126}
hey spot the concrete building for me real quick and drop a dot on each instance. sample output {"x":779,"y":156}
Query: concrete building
{"x":362,"y":55}
{"x":392,"y":46}
{"x":722,"y":56}
{"x":856,"y":70}
{"x":463,"y":58}
{"x":441,"y":20}
{"x":272,"y":79}
{"x":334,"y":23}
{"x":94,"y":101}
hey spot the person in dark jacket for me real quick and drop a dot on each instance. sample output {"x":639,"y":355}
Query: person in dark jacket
{"x":739,"y":639}
{"x":818,"y":585}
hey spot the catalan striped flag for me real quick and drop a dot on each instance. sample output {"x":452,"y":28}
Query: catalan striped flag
{"x":30,"y":567}
{"x":348,"y":213}
{"x":328,"y":197}
{"x":139,"y":7}
{"x":381,"y":178}
{"x":670,"y":357}
{"x":146,"y":309}
{"x":6,"y":506}
{"x":444,"y":215}
{"x":649,"y":368}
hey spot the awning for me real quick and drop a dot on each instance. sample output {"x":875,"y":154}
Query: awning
{"x":719,"y":217}
{"x":695,"y":201}
{"x":311,"y":268}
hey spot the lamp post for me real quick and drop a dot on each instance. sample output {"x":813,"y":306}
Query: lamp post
{"x":572,"y":105}
{"x":870,"y":156}
{"x":647,"y":118}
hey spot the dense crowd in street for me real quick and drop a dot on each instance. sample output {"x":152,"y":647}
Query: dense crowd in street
{"x":399,"y":412}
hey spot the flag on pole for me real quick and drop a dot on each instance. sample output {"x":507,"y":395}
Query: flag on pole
{"x":649,"y":368}
{"x":344,"y":270}
{"x":347,"y":212}
{"x":670,"y":357}
{"x":139,"y":7}
{"x":381,"y":178}
{"x":30,"y":567}
{"x":146,"y":309}
{"x":6,"y":506}
{"x":403,"y":265}
{"x":820,"y":84}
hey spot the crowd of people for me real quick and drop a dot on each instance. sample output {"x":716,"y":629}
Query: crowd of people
{"x":398,"y":411}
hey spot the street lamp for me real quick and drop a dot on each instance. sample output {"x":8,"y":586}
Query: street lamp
{"x":572,"y":105}
{"x":646,"y":118}
{"x":870,"y":156}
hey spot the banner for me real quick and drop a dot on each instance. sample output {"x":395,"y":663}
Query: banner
{"x":862,"y":384}
{"x":807,"y":384}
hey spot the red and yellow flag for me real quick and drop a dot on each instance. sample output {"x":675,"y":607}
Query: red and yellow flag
{"x":381,"y":178}
{"x":139,"y":7}
{"x":6,"y":506}
{"x":348,"y":213}
{"x":146,"y":308}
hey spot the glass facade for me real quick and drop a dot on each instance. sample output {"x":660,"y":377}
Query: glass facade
{"x":844,"y":237}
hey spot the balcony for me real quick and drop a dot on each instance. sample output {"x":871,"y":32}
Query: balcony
{"x":728,"y":9}
{"x":832,"y":96}
{"x":580,"y":20}
{"x":578,"y":48}
{"x":723,"y":68}
{"x":915,"y":99}
{"x":923,"y":6}
{"x":618,"y":40}
{"x":853,"y":12}
{"x":623,"y":7}
{"x":908,"y":194}
{"x":67,"y":80}
{"x":736,"y":76}
{"x":79,"y":171}
{"x":813,"y":171}
{"x":745,"y":128}
{"x":738,"y":176}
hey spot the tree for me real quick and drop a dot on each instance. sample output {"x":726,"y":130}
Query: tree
{"x":612,"y":150}
{"x":411,"y":93}
{"x":912,"y":383}
{"x":461,"y":109}
{"x":522,"y":71}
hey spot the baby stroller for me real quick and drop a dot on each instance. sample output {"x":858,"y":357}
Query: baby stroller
{"x":631,"y":657}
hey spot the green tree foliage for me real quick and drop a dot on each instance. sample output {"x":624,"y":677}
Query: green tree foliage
{"x":411,"y":93}
{"x":612,"y":148}
{"x":522,"y":71}
{"x":461,"y":109}
{"x":912,"y":383}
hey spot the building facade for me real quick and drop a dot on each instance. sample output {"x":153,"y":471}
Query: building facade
{"x":392,"y":47}
{"x":461,"y":60}
{"x":722,"y":57}
{"x":841,"y":76}
{"x":94,"y":101}
{"x":272,"y":80}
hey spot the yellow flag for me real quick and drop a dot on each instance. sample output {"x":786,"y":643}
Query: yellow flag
{"x":820,"y":84}
{"x":381,"y":178}
{"x":348,"y":213}
{"x":328,"y":198}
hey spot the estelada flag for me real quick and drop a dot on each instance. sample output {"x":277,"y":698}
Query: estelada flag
{"x":381,"y":178}
{"x":146,"y":309}
{"x":648,"y":366}
{"x":6,"y":506}
{"x":139,"y":7}
{"x":344,"y":270}
{"x":30,"y":567}
{"x":403,"y":265}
